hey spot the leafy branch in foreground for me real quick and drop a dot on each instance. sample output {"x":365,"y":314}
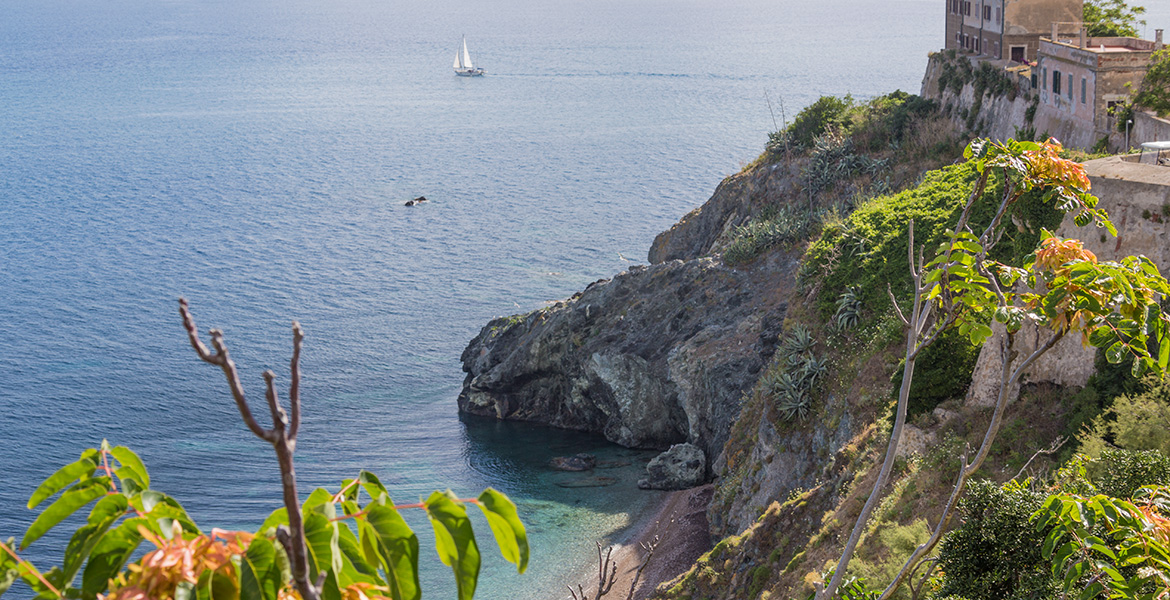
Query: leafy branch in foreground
{"x":1109,"y":546}
{"x":1112,"y":305}
{"x":352,"y":544}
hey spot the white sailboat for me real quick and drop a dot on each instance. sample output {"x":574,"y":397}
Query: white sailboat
{"x":463,"y":66}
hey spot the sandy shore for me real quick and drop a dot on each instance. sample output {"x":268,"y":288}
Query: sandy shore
{"x":680,"y":526}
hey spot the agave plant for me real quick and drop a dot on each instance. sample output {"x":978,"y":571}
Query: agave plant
{"x":799,"y":341}
{"x":796,"y":406}
{"x":848,"y":309}
{"x":812,"y":371}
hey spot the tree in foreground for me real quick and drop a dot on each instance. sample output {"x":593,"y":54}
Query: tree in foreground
{"x":349,"y":544}
{"x":1061,"y":289}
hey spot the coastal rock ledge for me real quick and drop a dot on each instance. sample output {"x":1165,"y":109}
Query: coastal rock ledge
{"x":658,"y":355}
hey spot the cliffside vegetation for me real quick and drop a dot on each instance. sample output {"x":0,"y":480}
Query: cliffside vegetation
{"x":842,"y":312}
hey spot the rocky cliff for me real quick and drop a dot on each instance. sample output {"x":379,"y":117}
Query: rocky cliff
{"x":657,"y":355}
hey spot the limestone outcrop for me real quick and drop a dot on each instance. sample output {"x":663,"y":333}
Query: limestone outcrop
{"x":657,"y":355}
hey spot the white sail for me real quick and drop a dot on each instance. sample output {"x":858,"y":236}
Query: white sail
{"x":457,"y":64}
{"x":466,"y":56}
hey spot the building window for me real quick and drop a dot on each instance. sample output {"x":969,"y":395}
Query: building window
{"x":1033,"y":80}
{"x":1084,"y":86}
{"x":986,"y":13}
{"x":1044,"y":78}
{"x":1056,"y":81}
{"x":1070,"y":87}
{"x":998,"y":16}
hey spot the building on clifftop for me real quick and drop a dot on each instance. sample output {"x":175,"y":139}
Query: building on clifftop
{"x":1082,"y":78}
{"x":1005,"y":29}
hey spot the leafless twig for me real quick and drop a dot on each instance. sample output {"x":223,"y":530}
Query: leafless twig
{"x":282,"y":436}
{"x":1051,"y":449}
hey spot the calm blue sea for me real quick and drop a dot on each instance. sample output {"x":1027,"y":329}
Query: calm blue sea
{"x":254,"y":157}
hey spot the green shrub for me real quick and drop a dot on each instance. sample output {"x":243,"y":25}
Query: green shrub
{"x":934,"y":205}
{"x":995,"y":553}
{"x":1120,"y":473}
{"x":943,"y":371}
{"x":817,"y":118}
{"x":1134,"y":415}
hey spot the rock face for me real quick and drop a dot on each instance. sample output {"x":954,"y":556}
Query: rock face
{"x":659,"y":354}
{"x":656,"y":356}
{"x":737,"y":199}
{"x":683,"y":466}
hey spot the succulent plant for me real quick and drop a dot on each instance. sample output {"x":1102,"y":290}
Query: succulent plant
{"x":799,"y":341}
{"x":796,"y":406}
{"x":848,"y":309}
{"x":813,"y":370}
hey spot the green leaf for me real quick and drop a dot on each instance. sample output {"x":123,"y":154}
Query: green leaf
{"x":259,"y":575}
{"x":509,"y":532}
{"x":109,"y":556}
{"x":398,"y":546}
{"x":373,"y":485}
{"x":71,"y":500}
{"x":130,"y":460}
{"x":320,"y":497}
{"x":168,"y":509}
{"x":979,"y":333}
{"x":105,"y":513}
{"x":65,"y":476}
{"x":1092,"y":591}
{"x":277,"y":518}
{"x":216,"y":586}
{"x":455,"y":541}
{"x":322,"y":535}
{"x":1115,"y":353}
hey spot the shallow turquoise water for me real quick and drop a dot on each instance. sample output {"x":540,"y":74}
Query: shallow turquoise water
{"x":254,"y":156}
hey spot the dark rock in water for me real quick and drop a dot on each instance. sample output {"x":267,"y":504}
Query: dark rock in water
{"x":410,"y":203}
{"x":577,"y":462}
{"x":584,"y":482}
{"x":681,"y":467}
{"x":612,"y":464}
{"x":418,"y":200}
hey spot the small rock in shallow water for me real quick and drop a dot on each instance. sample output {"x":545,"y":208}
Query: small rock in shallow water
{"x":577,"y":462}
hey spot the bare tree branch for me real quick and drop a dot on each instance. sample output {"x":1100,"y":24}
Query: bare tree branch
{"x":649,"y":548}
{"x":1051,"y":449}
{"x":897,"y":309}
{"x":279,"y":418}
{"x":1008,"y":379}
{"x":294,"y":385}
{"x":292,"y":536}
{"x":222,"y":360}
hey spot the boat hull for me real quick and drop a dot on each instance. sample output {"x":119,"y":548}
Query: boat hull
{"x":469,"y":72}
